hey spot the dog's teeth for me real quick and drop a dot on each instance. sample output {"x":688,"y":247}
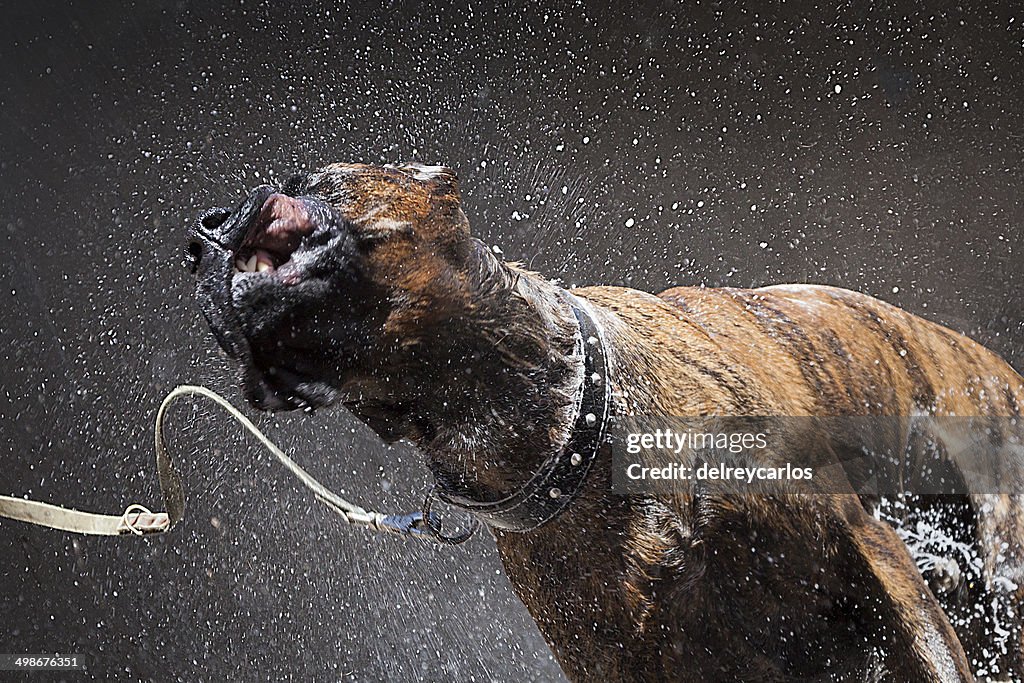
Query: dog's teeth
{"x":239,"y":265}
{"x":263,"y":262}
{"x":250,"y":265}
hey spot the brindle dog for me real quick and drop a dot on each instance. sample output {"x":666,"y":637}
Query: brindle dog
{"x":362,"y":285}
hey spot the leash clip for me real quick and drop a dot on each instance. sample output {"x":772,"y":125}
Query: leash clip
{"x":412,"y":524}
{"x":427,"y":524}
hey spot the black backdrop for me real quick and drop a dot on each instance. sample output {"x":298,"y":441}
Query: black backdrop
{"x":646,"y":145}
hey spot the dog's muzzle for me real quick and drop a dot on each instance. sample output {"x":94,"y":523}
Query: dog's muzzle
{"x":213,"y":241}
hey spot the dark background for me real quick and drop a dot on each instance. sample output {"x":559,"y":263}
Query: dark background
{"x":649,"y":145}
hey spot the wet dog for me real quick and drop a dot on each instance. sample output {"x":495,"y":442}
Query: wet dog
{"x":362,"y":285}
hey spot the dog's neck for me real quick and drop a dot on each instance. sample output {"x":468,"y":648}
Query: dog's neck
{"x":500,"y":393}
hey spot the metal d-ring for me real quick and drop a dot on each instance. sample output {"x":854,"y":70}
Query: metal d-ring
{"x":432,"y":523}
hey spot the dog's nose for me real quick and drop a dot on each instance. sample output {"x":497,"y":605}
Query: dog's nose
{"x":193,"y":255}
{"x":224,"y":229}
{"x":214,"y":218}
{"x":206,"y":229}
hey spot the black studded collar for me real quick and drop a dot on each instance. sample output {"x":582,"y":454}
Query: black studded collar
{"x":557,"y":482}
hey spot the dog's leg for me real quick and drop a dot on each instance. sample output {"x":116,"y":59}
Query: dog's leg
{"x":922,"y":645}
{"x":1000,"y":517}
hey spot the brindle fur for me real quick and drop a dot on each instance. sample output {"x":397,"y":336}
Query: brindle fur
{"x":471,"y":359}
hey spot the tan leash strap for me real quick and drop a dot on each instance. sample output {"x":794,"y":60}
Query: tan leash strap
{"x":137,"y":520}
{"x":170,"y":482}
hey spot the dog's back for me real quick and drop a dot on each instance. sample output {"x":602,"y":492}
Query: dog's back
{"x":820,"y":350}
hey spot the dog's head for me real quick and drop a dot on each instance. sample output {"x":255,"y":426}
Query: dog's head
{"x":312,"y":284}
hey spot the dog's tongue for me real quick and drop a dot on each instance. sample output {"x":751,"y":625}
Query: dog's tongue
{"x":282,"y":223}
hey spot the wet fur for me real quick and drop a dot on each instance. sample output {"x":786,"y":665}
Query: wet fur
{"x":472,"y":360}
{"x":693,"y":588}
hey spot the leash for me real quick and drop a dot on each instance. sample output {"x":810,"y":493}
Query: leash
{"x":137,"y":520}
{"x":553,"y":486}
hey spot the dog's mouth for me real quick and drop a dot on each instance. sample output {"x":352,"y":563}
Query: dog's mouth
{"x":262,"y":282}
{"x":274,"y":237}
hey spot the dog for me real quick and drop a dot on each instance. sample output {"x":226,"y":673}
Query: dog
{"x":362,"y":285}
